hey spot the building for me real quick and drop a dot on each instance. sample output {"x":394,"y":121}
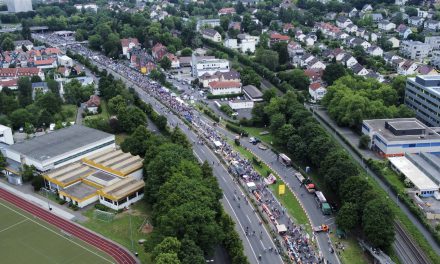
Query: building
{"x":90,"y":6}
{"x":295,"y":53}
{"x":422,"y":93}
{"x":317,"y":91}
{"x":158,"y":51}
{"x":231,"y":76}
{"x":432,"y":25}
{"x":65,"y":61}
{"x":226,"y":11}
{"x":128,"y":44}
{"x":39,"y":88}
{"x":225,"y":87}
{"x":396,"y":137}
{"x":6,"y":135}
{"x":210,"y":23}
{"x":93,"y":104}
{"x":211,"y":34}
{"x":202,"y":65}
{"x":17,"y":6}
{"x":277,"y":38}
{"x":14,"y":73}
{"x":433,"y":42}
{"x":415,"y":50}
{"x":253,"y":93}
{"x":423,"y":185}
{"x":247,"y":45}
{"x":110,"y":176}
{"x":241,"y":104}
{"x":26,"y":43}
{"x":61,"y":147}
{"x":386,"y":25}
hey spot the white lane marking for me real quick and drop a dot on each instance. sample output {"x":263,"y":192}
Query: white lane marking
{"x":198,"y":157}
{"x":249,"y":242}
{"x":248,"y":218}
{"x":16,"y":224}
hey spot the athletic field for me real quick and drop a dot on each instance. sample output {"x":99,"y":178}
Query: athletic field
{"x":26,"y":239}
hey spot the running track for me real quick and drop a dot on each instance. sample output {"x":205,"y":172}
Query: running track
{"x":117,"y":252}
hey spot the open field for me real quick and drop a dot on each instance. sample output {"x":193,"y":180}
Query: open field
{"x":27,"y":239}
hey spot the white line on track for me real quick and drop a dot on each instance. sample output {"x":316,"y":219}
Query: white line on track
{"x":16,"y":224}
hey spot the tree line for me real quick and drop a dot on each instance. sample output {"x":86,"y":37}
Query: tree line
{"x":300,"y":136}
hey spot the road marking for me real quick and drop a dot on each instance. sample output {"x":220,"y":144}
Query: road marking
{"x":264,"y":247}
{"x":195,"y":153}
{"x":249,"y":242}
{"x":248,"y":218}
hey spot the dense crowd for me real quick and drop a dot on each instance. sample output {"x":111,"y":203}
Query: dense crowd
{"x":296,"y":240}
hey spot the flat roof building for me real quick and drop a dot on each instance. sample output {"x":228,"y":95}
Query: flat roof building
{"x":396,"y":137}
{"x":253,"y":93}
{"x":424,"y":186}
{"x":112,"y":177}
{"x":422,"y":93}
{"x":60,"y":147}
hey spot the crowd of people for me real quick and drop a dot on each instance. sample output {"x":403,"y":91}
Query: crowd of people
{"x":296,"y":240}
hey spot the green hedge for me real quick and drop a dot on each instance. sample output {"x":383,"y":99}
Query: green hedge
{"x":211,"y":114}
{"x":211,"y":96}
{"x":237,"y":130}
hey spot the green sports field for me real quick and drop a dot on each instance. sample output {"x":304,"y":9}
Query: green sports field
{"x":25,"y":239}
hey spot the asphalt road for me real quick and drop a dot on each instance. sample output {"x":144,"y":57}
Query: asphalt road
{"x":244,"y":216}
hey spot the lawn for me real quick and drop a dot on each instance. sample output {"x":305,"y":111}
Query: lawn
{"x":120,"y":138}
{"x":26,"y":239}
{"x":118,"y":230}
{"x":104,"y":112}
{"x":68,"y":113}
{"x":352,"y":253}
{"x":255,"y":132}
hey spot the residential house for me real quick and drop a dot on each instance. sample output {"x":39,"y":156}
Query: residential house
{"x":222,"y":88}
{"x":407,"y":68}
{"x":353,"y":42}
{"x":376,"y":17}
{"x":386,"y":25}
{"x":347,"y":60}
{"x":93,"y":104}
{"x":426,"y":70}
{"x":287,"y":27}
{"x":26,"y":43}
{"x":310,"y":39}
{"x":375,"y":51}
{"x":416,"y":21}
{"x":39,"y":88}
{"x":175,"y":63}
{"x":158,"y":51}
{"x":49,"y":63}
{"x":353,"y":12}
{"x":231,"y":43}
{"x":295,"y":52}
{"x":343,"y":22}
{"x":210,"y":23}
{"x":235,"y":26}
{"x":400,"y":2}
{"x":247,"y":44}
{"x":422,"y":13}
{"x":11,"y":84}
{"x":359,"y":70}
{"x":276,"y":38}
{"x":317,"y":91}
{"x":432,"y":25}
{"x":65,"y":61}
{"x":395,"y":42}
{"x":360,"y":32}
{"x":342,"y":36}
{"x":367,"y":8}
{"x":127,"y":44}
{"x":433,"y":42}
{"x":415,"y":50}
{"x":435,"y":60}
{"x":64,"y":71}
{"x":351,"y":28}
{"x":314,"y":75}
{"x":226,"y":11}
{"x":211,"y":34}
{"x":404,"y":31}
{"x":371,"y":36}
{"x":306,"y":58}
{"x":316,"y":64}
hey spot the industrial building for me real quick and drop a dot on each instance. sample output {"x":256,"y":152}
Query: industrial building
{"x":112,"y":177}
{"x":396,"y":137}
{"x":200,"y":66}
{"x":61,"y":147}
{"x":17,"y":6}
{"x":422,"y":93}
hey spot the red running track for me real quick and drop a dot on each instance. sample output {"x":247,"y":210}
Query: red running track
{"x":112,"y":249}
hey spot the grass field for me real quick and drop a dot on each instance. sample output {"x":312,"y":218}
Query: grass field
{"x":118,"y":230}
{"x":26,"y":239}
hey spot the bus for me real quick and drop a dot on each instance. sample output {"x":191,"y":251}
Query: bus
{"x":284,"y":160}
{"x":217,"y":104}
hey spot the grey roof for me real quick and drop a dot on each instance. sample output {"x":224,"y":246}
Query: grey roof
{"x":252,"y":91}
{"x":209,"y":32}
{"x":59,"y":142}
{"x":80,"y":190}
{"x":22,"y":42}
{"x":378,"y":125}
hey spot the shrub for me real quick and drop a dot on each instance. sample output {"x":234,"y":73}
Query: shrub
{"x":237,"y":130}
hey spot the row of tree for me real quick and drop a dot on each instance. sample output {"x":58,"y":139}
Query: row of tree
{"x":298,"y":134}
{"x":353,"y":99}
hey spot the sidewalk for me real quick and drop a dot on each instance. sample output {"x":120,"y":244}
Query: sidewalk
{"x":26,"y":192}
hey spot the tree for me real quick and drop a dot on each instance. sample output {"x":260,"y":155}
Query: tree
{"x":399,"y":84}
{"x":161,"y":122}
{"x":179,"y":138}
{"x":364,"y":141}
{"x":95,"y":42}
{"x":37,"y":182}
{"x":283,"y":55}
{"x":3,"y":162}
{"x":337,"y":167}
{"x":333,"y":72}
{"x":377,"y":223}
{"x":76,"y":93}
{"x":268,"y":58}
{"x":7,"y":44}
{"x":190,"y":253}
{"x":168,"y":245}
{"x":299,"y":80}
{"x":347,"y":218}
{"x":165,"y":63}
{"x":45,"y":119}
{"x":35,"y":79}
{"x":131,"y":118}
{"x":27,"y":172}
{"x":24,"y":91}
{"x":49,"y":102}
{"x":167,"y":258}
{"x":186,"y":52}
{"x":137,"y":142}
{"x":53,"y":87}
{"x":19,"y":117}
{"x":269,"y":94}
{"x":117,"y":105}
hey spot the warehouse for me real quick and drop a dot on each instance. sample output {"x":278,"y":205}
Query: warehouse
{"x":61,"y":147}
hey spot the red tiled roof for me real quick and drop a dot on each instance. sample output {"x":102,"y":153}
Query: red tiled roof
{"x":227,"y":10}
{"x":44,"y":62}
{"x":219,"y":85}
{"x":94,"y":101}
{"x":126,"y":42}
{"x":8,"y":83}
{"x":315,"y":86}
{"x":278,"y":36}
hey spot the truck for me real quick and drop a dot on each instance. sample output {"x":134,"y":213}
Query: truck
{"x":299,"y":176}
{"x":310,"y":187}
{"x":322,"y":202}
{"x":321,"y":228}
